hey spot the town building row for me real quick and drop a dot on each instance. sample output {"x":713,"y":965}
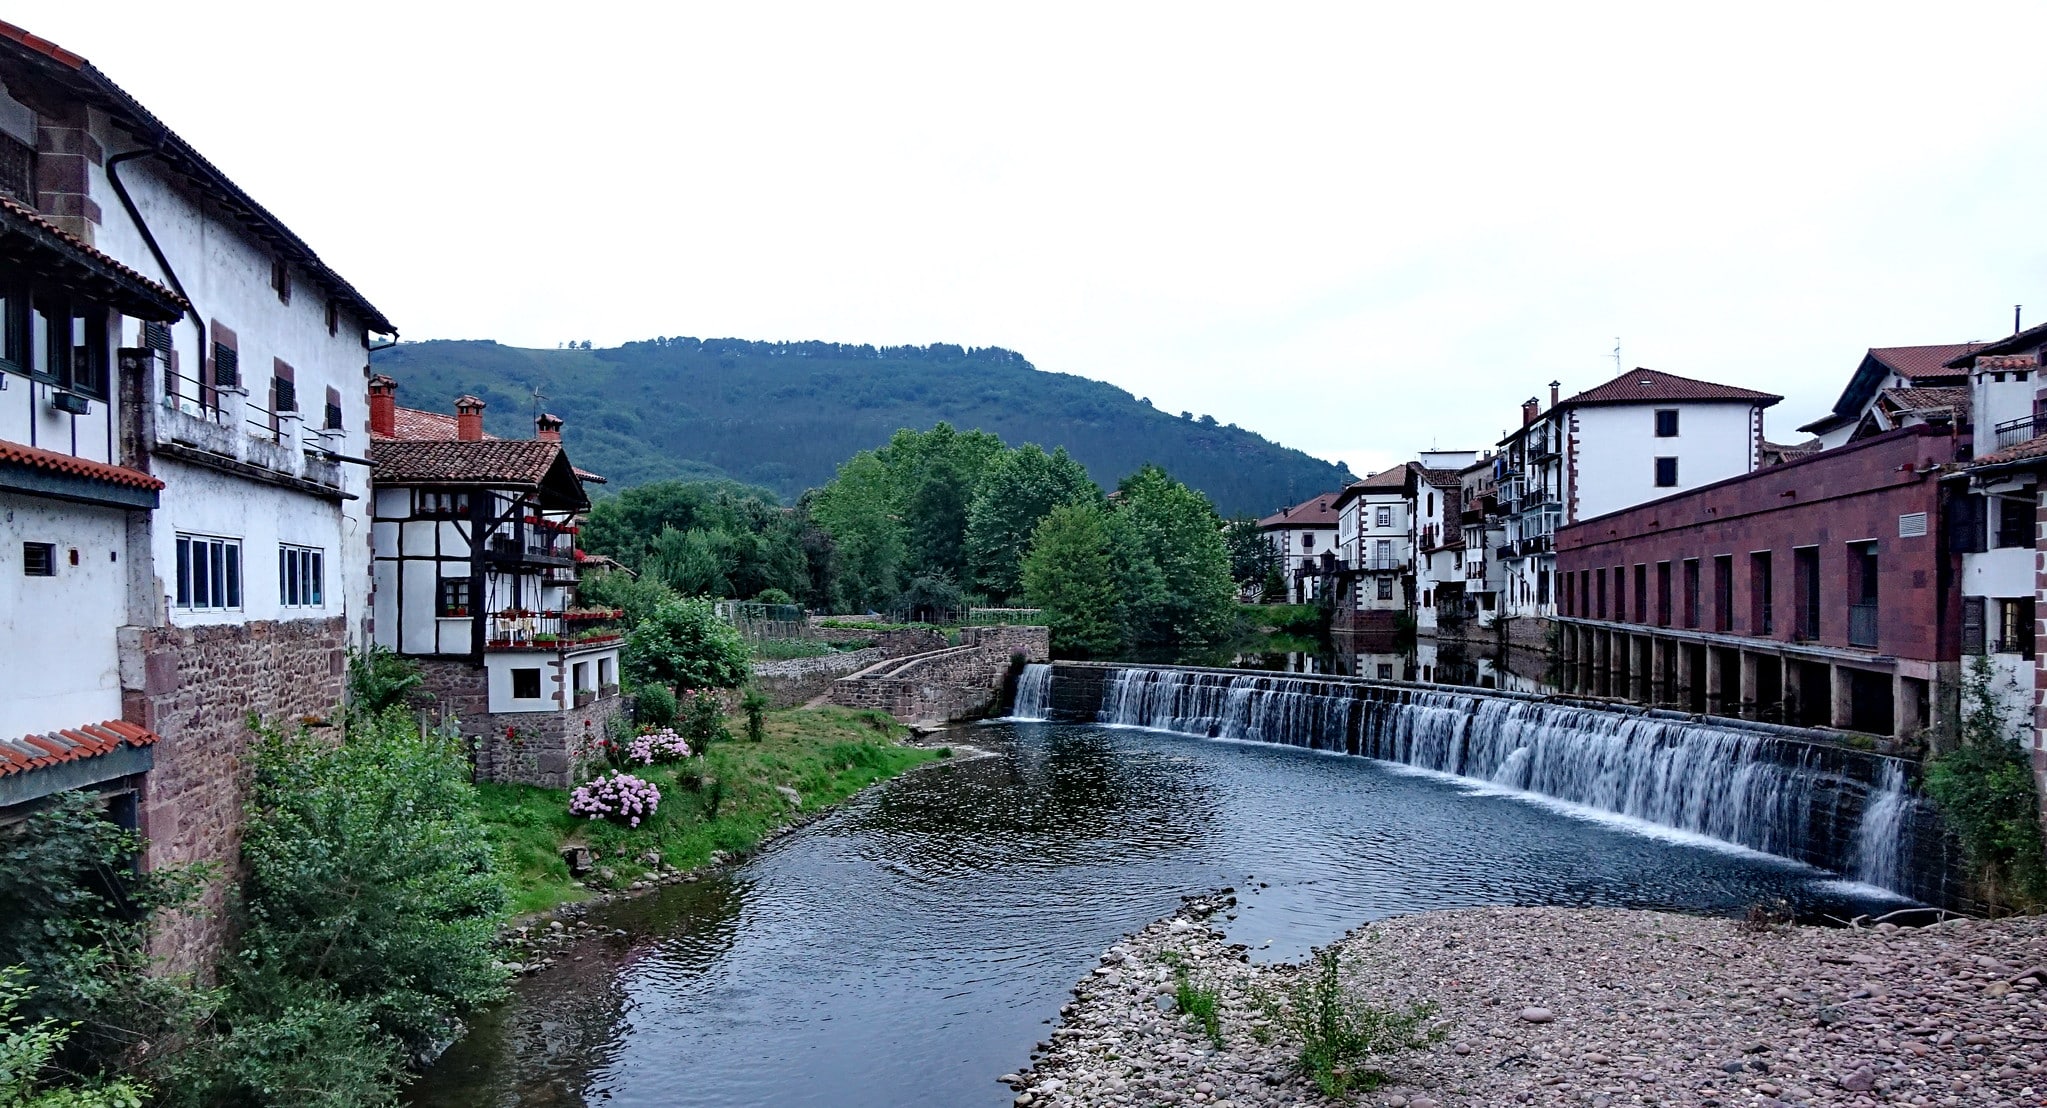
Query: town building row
{"x":207,"y":501}
{"x":1876,"y":576}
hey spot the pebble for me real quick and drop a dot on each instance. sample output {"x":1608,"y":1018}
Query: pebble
{"x":1537,"y":1015}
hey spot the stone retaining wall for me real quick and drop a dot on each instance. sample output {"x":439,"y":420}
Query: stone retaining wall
{"x":196,"y":688}
{"x":796,"y":681}
{"x":961,"y":682}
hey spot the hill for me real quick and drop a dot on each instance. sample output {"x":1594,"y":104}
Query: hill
{"x":784,"y":415}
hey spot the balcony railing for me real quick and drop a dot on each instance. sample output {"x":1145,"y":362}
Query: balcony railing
{"x":1373,"y":563}
{"x":2015,"y":431}
{"x":1862,"y":625}
{"x":518,"y":629}
{"x":216,"y":424}
{"x":537,"y":546}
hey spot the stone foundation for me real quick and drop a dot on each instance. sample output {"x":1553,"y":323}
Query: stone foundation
{"x":797,"y":681}
{"x":551,"y":749}
{"x":197,"y":687}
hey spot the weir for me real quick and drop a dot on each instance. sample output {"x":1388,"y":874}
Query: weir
{"x":1774,"y":789}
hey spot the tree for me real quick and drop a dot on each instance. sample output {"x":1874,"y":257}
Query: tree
{"x":684,"y":644}
{"x":688,"y":563}
{"x":1071,"y":574}
{"x":1163,"y":526}
{"x":27,"y":1051}
{"x":1020,"y":488}
{"x":1252,"y":558}
{"x":857,"y":511}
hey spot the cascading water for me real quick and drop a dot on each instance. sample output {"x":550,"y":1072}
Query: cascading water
{"x":1793,"y":799}
{"x":1033,"y":694}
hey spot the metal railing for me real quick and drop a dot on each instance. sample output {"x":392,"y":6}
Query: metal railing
{"x":2015,"y":431}
{"x":1862,"y":624}
{"x":202,"y":402}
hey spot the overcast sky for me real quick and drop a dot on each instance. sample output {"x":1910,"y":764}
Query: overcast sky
{"x":1359,"y":229}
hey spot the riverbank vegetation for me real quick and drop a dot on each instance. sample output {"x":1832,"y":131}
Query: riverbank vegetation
{"x":725,"y":799}
{"x":1986,"y":792}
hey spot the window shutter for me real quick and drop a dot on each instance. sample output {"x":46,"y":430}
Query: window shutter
{"x":156,"y":336}
{"x":1965,"y":522}
{"x":227,"y":366}
{"x":1972,"y":625}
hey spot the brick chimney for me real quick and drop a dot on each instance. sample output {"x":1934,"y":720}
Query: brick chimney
{"x":468,"y":418}
{"x":383,"y":406}
{"x":547,"y":427}
{"x":1553,"y":386}
{"x":1531,"y":410}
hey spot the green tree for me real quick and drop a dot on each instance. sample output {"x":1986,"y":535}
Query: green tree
{"x":1019,"y":489}
{"x":27,"y":1050}
{"x":1252,"y":558}
{"x":688,"y":563}
{"x":857,"y":510}
{"x":1174,"y":530}
{"x":637,"y":597}
{"x":1070,"y":572}
{"x":684,"y":643}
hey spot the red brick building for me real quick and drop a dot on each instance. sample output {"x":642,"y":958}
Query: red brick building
{"x":1820,"y":591}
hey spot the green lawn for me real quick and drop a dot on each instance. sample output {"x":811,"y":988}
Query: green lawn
{"x":725,"y":800}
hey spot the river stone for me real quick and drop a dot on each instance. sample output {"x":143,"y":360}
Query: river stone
{"x":1537,"y":1015}
{"x":794,"y":798}
{"x":1860,"y":1081}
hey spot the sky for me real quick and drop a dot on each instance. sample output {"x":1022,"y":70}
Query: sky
{"x":1359,"y":229}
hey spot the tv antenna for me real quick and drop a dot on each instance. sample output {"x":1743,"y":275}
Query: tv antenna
{"x":1617,"y":355}
{"x":538,"y":396}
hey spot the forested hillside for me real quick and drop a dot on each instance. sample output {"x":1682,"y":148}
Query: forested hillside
{"x":785,"y":415}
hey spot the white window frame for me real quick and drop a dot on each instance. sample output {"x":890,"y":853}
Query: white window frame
{"x":1382,"y":517}
{"x":301,"y":576}
{"x":207,"y":583}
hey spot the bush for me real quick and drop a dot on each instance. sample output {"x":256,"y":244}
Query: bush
{"x":774,"y":596}
{"x":663,"y":745}
{"x":684,"y":644}
{"x":378,"y":679}
{"x":27,"y":1050}
{"x":310,"y":1049}
{"x":619,"y":797}
{"x":1985,"y":791}
{"x":700,"y":719}
{"x":654,"y":705}
{"x":1339,"y":1030}
{"x":755,"y":705}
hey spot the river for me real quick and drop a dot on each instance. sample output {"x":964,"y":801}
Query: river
{"x":915,"y":944}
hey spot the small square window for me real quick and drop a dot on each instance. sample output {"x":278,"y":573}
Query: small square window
{"x":1666,"y":473}
{"x":1666,"y":423}
{"x":1385,"y":588}
{"x":1385,"y":671}
{"x":453,"y":599}
{"x":39,"y":559}
{"x":1383,"y":517}
{"x":526,"y":684}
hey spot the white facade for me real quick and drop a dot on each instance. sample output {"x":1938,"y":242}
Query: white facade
{"x":1436,"y":536}
{"x":1615,"y":451}
{"x":58,"y":632}
{"x":1380,"y":553}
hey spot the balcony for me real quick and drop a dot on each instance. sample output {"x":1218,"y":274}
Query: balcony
{"x":2015,"y":431}
{"x":1388,"y":564}
{"x":1862,"y":623}
{"x":575,"y":629}
{"x":220,"y":427}
{"x":536,"y":548}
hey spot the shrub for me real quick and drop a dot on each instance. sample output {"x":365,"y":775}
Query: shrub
{"x":700,"y":719}
{"x":1985,"y":791}
{"x":774,"y":596}
{"x":663,"y":745}
{"x":1199,"y":1001}
{"x":755,"y":705}
{"x":619,"y":797}
{"x":28,"y":1049}
{"x":1339,"y":1030}
{"x":378,"y":679}
{"x":684,"y":644}
{"x":655,"y":705}
{"x":371,"y":881}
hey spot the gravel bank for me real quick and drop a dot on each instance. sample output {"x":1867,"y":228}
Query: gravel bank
{"x":1588,"y":1007}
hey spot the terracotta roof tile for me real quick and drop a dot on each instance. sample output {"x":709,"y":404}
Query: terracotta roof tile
{"x":516,"y":461}
{"x":32,"y":752}
{"x":2023,"y":342}
{"x":167,"y":304}
{"x":414,"y":424}
{"x":1440,"y":478}
{"x":2025,"y":451}
{"x":77,"y":467}
{"x":1922,"y":361}
{"x":1915,"y":399}
{"x":1319,"y":512}
{"x":1651,"y":385}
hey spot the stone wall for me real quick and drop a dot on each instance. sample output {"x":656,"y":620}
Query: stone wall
{"x":550,"y":749}
{"x":961,"y":682}
{"x":796,"y":681}
{"x":898,"y":643}
{"x":196,"y":688}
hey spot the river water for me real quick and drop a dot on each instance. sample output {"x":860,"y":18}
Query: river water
{"x":915,"y":944}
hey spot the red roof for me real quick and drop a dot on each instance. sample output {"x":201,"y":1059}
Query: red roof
{"x":510,"y":461}
{"x":89,"y":741}
{"x":1319,"y":512}
{"x":75,"y":466}
{"x":1912,"y":362}
{"x":2025,"y":451}
{"x":1638,"y":386}
{"x":414,"y":425}
{"x":18,"y":210}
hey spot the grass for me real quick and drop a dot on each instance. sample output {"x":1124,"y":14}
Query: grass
{"x":1201,"y":1002}
{"x":723,"y":801}
{"x":782,"y":650}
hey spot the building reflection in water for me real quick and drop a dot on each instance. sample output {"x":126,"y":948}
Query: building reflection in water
{"x":1394,"y":657}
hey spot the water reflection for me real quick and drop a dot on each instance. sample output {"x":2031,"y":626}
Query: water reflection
{"x":912,"y":946}
{"x":1386,"y":657}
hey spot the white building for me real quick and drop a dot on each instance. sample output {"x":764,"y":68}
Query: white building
{"x":1868,"y":404}
{"x":1374,"y":575}
{"x":248,"y":582}
{"x":1435,"y":504}
{"x":476,"y":565}
{"x":1303,"y":538}
{"x":1484,"y":533}
{"x":1638,"y":437}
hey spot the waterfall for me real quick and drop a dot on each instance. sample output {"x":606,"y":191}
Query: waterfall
{"x":1844,"y":811}
{"x":1033,"y":694}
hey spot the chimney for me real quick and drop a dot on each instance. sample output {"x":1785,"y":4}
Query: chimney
{"x":383,"y":406}
{"x":1531,"y":409}
{"x":1553,"y":393}
{"x":468,"y":418}
{"x":547,"y":427}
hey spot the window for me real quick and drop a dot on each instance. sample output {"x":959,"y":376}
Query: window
{"x":2014,"y":521}
{"x":1972,"y":625}
{"x":18,"y":168}
{"x":1663,"y":586}
{"x":1383,"y":517}
{"x":1385,"y":671}
{"x":1382,"y":554}
{"x":333,"y":410}
{"x":1862,"y":594}
{"x":2015,"y":626}
{"x":333,"y":318}
{"x":1805,"y":589}
{"x":1620,"y":593}
{"x":526,"y":684}
{"x":605,"y":675}
{"x":280,"y":279}
{"x":1666,"y":423}
{"x":1308,"y":541}
{"x":1691,"y":586}
{"x":284,"y":389}
{"x":1641,"y":592}
{"x":1760,"y":617}
{"x":1542,"y":586}
{"x":1666,"y":473}
{"x":1385,"y":588}
{"x":38,"y":559}
{"x":209,"y":573}
{"x":1723,"y":593}
{"x":443,"y":503}
{"x":452,"y":598}
{"x":301,"y":577}
{"x":1601,"y":613}
{"x":227,"y":366}
{"x":14,"y":328}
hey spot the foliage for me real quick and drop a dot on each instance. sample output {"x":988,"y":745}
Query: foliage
{"x":76,"y":923}
{"x":655,"y":705}
{"x":870,"y":547}
{"x":700,"y":718}
{"x":1199,"y":1001}
{"x":930,"y":600}
{"x":774,"y":596}
{"x":637,"y":597}
{"x":293,"y":1044}
{"x":1070,"y":573}
{"x":784,"y":415}
{"x":1986,"y":792}
{"x":1298,"y":619}
{"x":28,"y":1050}
{"x":825,"y":754}
{"x":371,"y":882}
{"x":379,"y":679}
{"x":1019,"y":489}
{"x":782,"y":650}
{"x":1339,"y":1030}
{"x":1174,"y":564}
{"x":1252,"y":559}
{"x":662,"y":745}
{"x":683,"y":642}
{"x":755,"y":705}
{"x":616,"y":796}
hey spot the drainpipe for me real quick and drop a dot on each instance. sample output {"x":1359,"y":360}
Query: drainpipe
{"x":156,"y":251}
